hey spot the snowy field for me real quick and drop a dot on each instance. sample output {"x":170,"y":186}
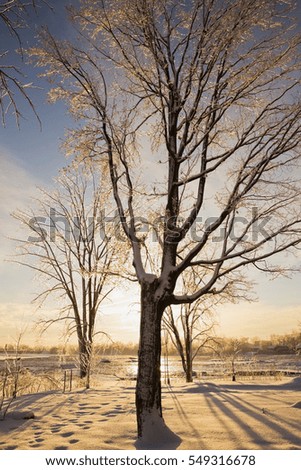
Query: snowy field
{"x":262,"y":413}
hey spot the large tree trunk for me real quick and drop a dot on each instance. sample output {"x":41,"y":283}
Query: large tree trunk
{"x":152,"y":431}
{"x":148,"y":389}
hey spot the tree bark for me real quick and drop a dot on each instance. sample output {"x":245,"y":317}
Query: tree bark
{"x":189,"y":374}
{"x":188,"y":348}
{"x":148,"y":389}
{"x":84,"y":359}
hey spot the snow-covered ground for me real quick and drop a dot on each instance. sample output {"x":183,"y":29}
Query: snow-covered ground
{"x":260,"y":414}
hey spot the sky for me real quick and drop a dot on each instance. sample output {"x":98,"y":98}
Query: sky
{"x":30,"y":157}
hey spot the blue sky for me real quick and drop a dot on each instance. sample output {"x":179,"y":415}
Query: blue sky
{"x":31,"y":157}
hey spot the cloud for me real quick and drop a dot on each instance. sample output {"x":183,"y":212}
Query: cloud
{"x":17,"y":189}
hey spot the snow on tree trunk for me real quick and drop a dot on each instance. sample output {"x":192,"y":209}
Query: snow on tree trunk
{"x":148,"y":390}
{"x":152,"y":431}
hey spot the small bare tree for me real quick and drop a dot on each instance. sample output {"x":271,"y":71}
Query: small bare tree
{"x":229,"y":352}
{"x":10,"y":378}
{"x":192,"y":329}
{"x":189,"y":333}
{"x":69,"y":248}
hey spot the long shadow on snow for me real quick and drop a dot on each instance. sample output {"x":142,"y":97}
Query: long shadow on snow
{"x":223,"y":401}
{"x":294,"y":385}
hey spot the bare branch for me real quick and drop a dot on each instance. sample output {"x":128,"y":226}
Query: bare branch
{"x":13,"y":16}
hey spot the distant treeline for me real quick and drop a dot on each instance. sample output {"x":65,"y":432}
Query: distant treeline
{"x":278,"y":344}
{"x":102,"y":349}
{"x":275,"y":344}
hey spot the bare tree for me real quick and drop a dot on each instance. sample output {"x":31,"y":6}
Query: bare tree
{"x":193,"y":328}
{"x":69,"y":248}
{"x":189,"y":333}
{"x":195,"y":109}
{"x":229,"y":352}
{"x":10,"y":378}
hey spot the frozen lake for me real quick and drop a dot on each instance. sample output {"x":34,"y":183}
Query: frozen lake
{"x":126,"y":366}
